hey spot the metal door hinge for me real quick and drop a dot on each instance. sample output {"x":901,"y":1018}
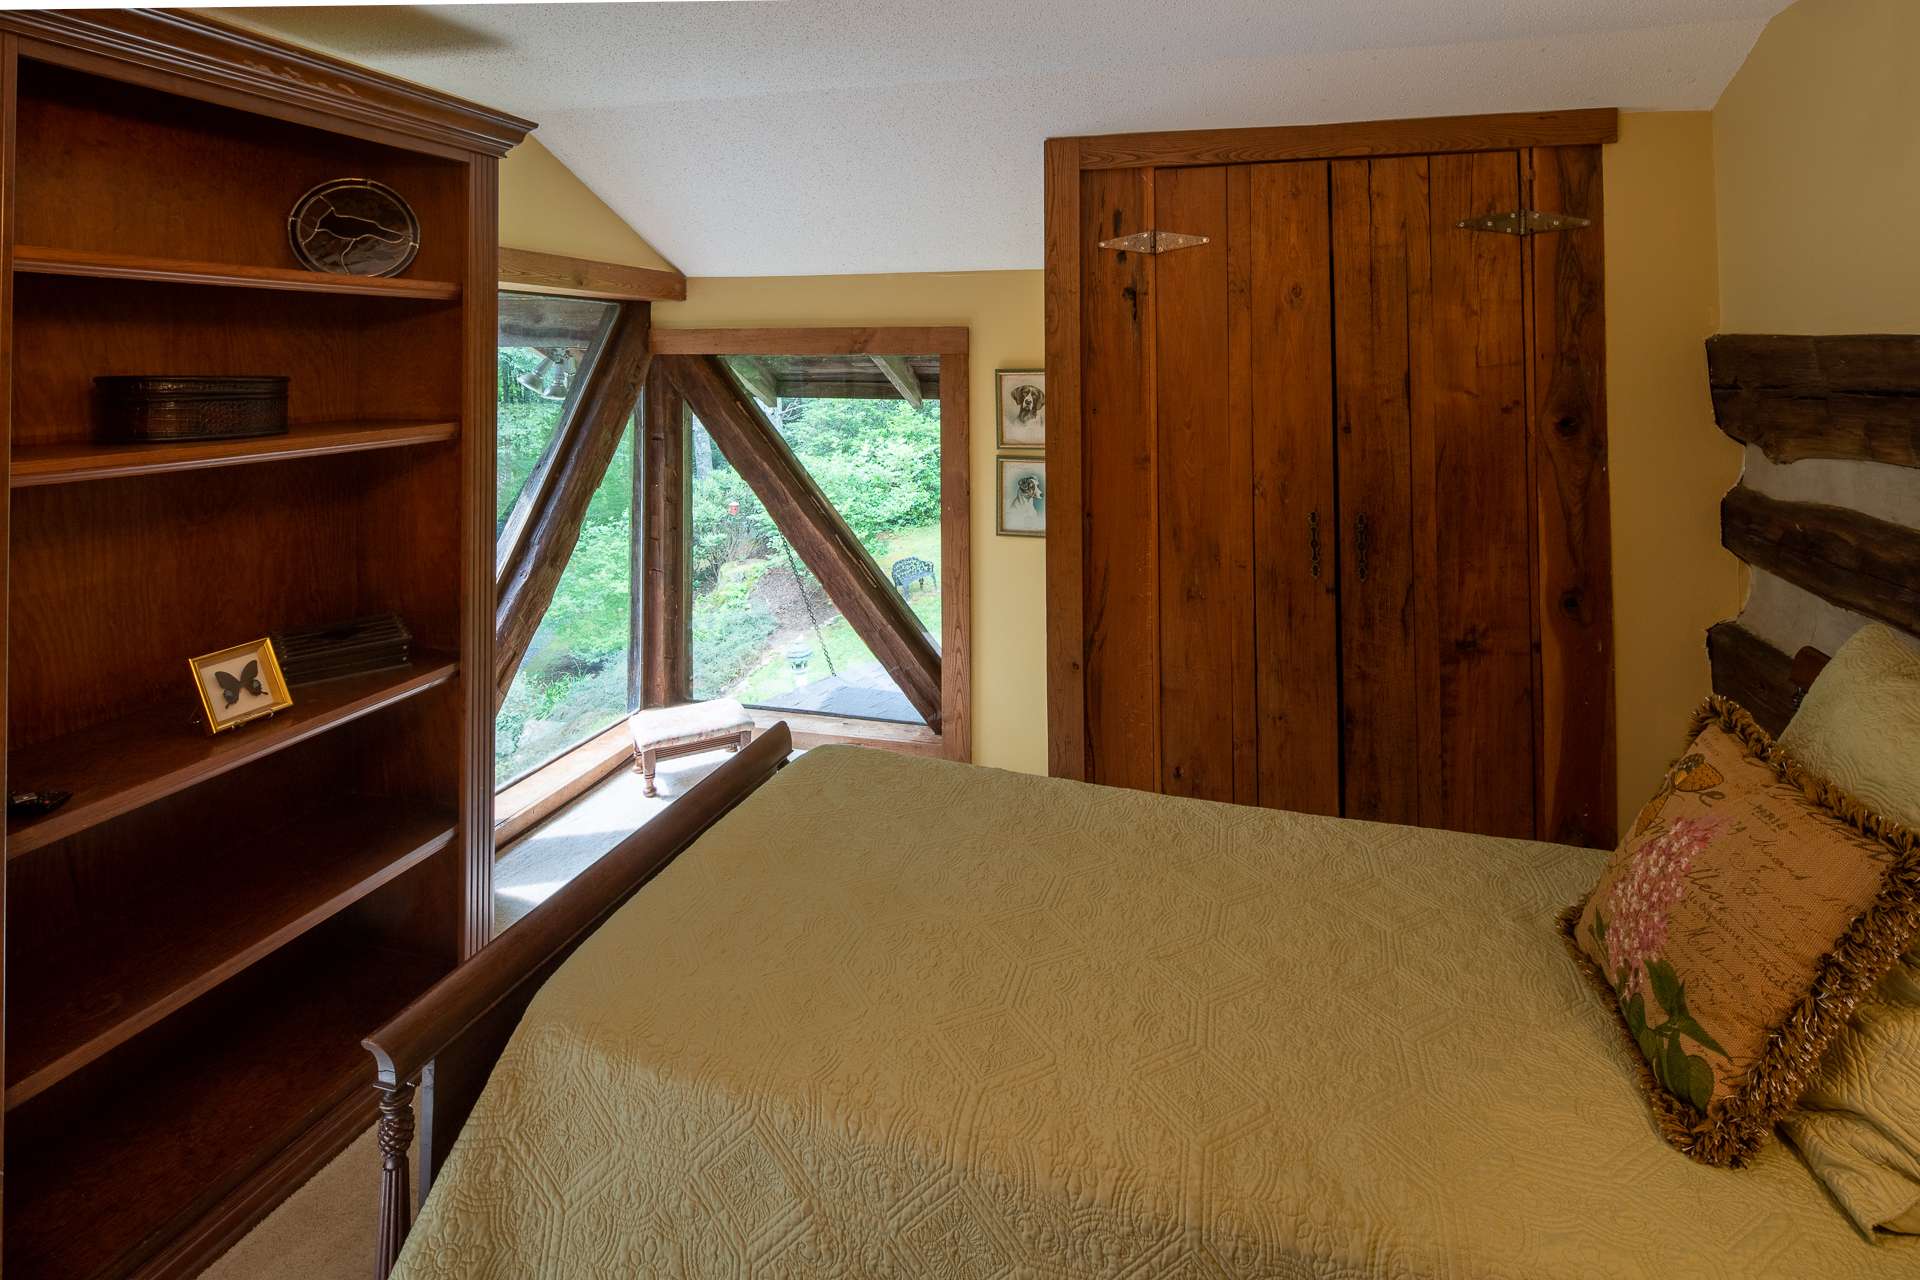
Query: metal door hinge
{"x":1153,"y":242}
{"x":1524,"y":222}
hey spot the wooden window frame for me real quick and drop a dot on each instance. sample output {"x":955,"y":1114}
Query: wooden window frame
{"x":953,"y":345}
{"x":534,"y":797}
{"x":528,"y":271}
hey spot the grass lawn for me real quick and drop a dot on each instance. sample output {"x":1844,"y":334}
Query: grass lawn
{"x":924,"y":542}
{"x":771,"y":677}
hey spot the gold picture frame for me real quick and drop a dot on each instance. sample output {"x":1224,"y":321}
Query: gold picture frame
{"x":1023,"y":512}
{"x":239,"y":685}
{"x":1023,"y":394}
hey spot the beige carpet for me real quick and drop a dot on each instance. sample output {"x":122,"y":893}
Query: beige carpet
{"x":323,"y":1231}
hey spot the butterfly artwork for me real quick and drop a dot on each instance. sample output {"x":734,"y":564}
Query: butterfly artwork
{"x":240,"y":684}
{"x":248,"y":681}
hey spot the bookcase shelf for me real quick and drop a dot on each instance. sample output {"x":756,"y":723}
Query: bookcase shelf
{"x":35,"y":465}
{"x":98,"y":1180}
{"x":39,"y":259}
{"x":78,"y":1001}
{"x":116,"y":767}
{"x":196,"y":941}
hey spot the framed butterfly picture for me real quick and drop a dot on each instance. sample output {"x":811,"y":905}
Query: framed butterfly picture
{"x":240,"y":684}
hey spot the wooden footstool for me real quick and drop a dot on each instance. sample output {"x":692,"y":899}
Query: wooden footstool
{"x":660,"y":732}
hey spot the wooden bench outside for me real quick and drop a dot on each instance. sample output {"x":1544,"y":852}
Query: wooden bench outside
{"x":663,"y":732}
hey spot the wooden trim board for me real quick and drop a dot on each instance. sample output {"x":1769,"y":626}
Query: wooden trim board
{"x":189,"y":54}
{"x":1512,"y":131}
{"x":529,"y":271}
{"x":949,"y":340}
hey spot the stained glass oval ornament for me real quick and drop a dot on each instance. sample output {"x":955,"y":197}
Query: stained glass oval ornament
{"x":354,"y":227}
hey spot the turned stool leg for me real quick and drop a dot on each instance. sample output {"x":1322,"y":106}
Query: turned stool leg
{"x":649,"y":761}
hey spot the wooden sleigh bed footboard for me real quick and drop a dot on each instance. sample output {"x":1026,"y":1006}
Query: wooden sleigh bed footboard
{"x":437,"y":1053}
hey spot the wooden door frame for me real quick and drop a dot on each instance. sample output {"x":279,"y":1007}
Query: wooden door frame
{"x":1573,"y":706}
{"x":952,"y":344}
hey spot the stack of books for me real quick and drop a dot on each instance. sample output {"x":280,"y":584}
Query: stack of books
{"x":309,"y":655}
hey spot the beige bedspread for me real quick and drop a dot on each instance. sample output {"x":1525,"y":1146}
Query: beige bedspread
{"x":906,"y":1018}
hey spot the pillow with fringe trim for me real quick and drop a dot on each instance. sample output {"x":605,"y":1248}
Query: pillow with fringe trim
{"x":1750,"y":907}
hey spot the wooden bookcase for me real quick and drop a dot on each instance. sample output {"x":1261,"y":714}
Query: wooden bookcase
{"x":197,"y":941}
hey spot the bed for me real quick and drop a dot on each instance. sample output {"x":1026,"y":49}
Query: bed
{"x":885,"y":1016}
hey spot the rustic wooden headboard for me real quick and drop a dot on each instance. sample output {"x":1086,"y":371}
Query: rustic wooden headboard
{"x":1827,"y":514}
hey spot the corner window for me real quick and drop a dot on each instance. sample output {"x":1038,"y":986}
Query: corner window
{"x":574,"y":681}
{"x":764,"y":629}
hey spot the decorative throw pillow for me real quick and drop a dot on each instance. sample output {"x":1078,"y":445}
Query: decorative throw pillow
{"x":1858,"y":1126}
{"x":1859,"y":725}
{"x":1747,"y":911}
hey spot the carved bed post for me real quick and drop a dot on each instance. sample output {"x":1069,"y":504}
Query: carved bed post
{"x":395,"y":1135}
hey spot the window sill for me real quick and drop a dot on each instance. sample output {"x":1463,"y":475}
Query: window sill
{"x":812,"y":730}
{"x":558,"y":783}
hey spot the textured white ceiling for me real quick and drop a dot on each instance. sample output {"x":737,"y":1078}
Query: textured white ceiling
{"x":791,"y":137}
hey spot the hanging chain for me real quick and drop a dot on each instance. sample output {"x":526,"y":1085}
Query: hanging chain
{"x":799,"y":583}
{"x":1313,"y":539}
{"x":1361,"y":542}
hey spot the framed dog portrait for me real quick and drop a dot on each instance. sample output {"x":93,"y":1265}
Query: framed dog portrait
{"x":1021,"y":412}
{"x":240,"y":684}
{"x":1023,"y":496}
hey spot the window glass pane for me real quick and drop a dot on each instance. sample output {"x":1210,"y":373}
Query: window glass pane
{"x":573,"y":683}
{"x":544,"y":345}
{"x":764,"y":630}
{"x":875,"y":456}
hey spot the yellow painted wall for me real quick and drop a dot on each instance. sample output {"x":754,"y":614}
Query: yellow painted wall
{"x":543,"y":206}
{"x":1817,"y":143}
{"x":1670,"y":464}
{"x":1003,"y":309}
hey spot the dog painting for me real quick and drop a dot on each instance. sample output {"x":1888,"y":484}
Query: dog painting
{"x":1023,"y":496}
{"x":1022,"y":408}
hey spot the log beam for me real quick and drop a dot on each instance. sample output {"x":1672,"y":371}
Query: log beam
{"x":523,"y":270}
{"x":666,"y":630}
{"x":1852,"y":560}
{"x":903,"y":378}
{"x":1753,"y":673}
{"x":816,"y":530}
{"x":1854,"y":398}
{"x":532,"y":565}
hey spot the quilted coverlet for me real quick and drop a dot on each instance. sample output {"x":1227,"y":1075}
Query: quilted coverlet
{"x":898,"y":1017}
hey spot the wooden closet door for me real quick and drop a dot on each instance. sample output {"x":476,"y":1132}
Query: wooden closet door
{"x":1296,"y":601}
{"x":1121,"y":603}
{"x":1380,"y":279}
{"x":1473,"y":513}
{"x":1205,"y":486}
{"x":1436,"y":570}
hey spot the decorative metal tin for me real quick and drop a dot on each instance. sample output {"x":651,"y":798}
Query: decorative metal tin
{"x":191,"y":408}
{"x":309,"y":655}
{"x":354,"y":227}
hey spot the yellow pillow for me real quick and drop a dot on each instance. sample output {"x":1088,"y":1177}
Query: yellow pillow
{"x":1859,"y":725}
{"x":1858,"y":1125}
